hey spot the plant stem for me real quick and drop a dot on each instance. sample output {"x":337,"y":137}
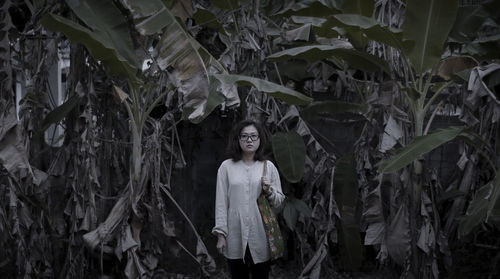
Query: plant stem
{"x":438,"y":92}
{"x":431,"y":118}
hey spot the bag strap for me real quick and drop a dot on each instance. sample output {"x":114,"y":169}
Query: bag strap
{"x":264,"y":171}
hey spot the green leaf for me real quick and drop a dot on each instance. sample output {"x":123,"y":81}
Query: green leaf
{"x":451,"y":194}
{"x":58,"y":113}
{"x":476,"y":212}
{"x":332,"y":107}
{"x":412,"y":93}
{"x":494,"y":199}
{"x":98,"y":47}
{"x":290,"y":214}
{"x":467,"y":23}
{"x":318,"y":25}
{"x":473,"y":139}
{"x":353,"y":33}
{"x":312,"y":8}
{"x":346,"y":195}
{"x":295,"y":69}
{"x":462,"y":76}
{"x":428,"y":23}
{"x":108,"y":24}
{"x":419,"y":146}
{"x":356,"y":59}
{"x":346,"y":186}
{"x":143,"y":9}
{"x":484,"y":48}
{"x":374,"y":30}
{"x":206,"y":18}
{"x":301,"y":207}
{"x":290,"y":153}
{"x":361,"y":7}
{"x":485,"y":207}
{"x":309,"y":53}
{"x":362,"y":61}
{"x":302,"y":33}
{"x":286,"y":94}
{"x":351,"y":249}
{"x":225,"y":4}
{"x":492,"y":7}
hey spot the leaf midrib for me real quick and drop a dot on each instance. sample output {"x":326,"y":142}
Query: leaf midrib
{"x":402,"y":155}
{"x":288,"y":144}
{"x":426,"y":35}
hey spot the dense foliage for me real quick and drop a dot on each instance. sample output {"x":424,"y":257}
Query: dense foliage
{"x":413,"y":86}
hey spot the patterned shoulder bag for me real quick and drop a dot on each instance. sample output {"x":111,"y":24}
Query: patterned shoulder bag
{"x":271,"y":225}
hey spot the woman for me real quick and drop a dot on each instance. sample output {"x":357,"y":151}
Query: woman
{"x":238,"y":223}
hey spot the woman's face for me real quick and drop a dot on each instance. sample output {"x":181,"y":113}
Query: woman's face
{"x":249,"y":139}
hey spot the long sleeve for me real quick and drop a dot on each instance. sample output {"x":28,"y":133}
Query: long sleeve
{"x":276,"y":197}
{"x":221,"y":202}
{"x":237,"y":214}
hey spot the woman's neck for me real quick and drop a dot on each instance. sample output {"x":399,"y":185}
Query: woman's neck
{"x":248,"y":158}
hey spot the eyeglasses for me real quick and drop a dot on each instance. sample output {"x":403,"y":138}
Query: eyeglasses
{"x":245,"y":137}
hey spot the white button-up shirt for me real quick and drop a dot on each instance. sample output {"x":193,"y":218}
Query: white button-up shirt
{"x":237,"y":216}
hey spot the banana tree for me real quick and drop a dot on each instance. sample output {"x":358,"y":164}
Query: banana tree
{"x":364,"y":90}
{"x":198,"y":76}
{"x":108,"y":40}
{"x":421,"y":45}
{"x":427,"y":24}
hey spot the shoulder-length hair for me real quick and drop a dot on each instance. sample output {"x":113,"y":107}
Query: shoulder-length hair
{"x":233,"y":147}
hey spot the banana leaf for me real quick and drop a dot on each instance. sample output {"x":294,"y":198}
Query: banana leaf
{"x":100,"y":48}
{"x":418,"y":147}
{"x":206,"y":18}
{"x":286,"y":94}
{"x":341,"y":50}
{"x":477,"y":210}
{"x":373,"y":30}
{"x":309,"y":53}
{"x":290,"y":153}
{"x":320,"y":26}
{"x":467,"y":23}
{"x":58,"y":113}
{"x":428,"y":23}
{"x":361,"y":7}
{"x":290,"y":214}
{"x":192,"y":62}
{"x":332,"y":107}
{"x":310,"y":8}
{"x":225,"y":4}
{"x":362,"y":61}
{"x":302,"y":33}
{"x":346,"y":195}
{"x":109,"y":25}
{"x":291,"y":211}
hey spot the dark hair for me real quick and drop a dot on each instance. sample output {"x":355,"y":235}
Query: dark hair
{"x":233,"y":147}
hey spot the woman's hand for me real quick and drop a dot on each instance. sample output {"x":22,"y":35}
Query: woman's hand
{"x":266,"y":185}
{"x":221,"y":243}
